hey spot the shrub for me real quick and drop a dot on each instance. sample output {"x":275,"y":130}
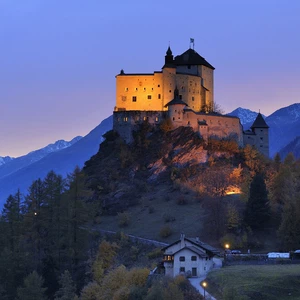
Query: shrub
{"x":156,"y":253}
{"x":123,"y":219}
{"x":165,"y":231}
{"x":168,"y":218}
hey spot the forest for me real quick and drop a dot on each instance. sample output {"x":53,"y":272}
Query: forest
{"x":50,"y":250}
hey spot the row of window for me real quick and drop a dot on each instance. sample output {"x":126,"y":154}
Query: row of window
{"x":193,"y":258}
{"x":134,"y":98}
{"x":125,"y":119}
{"x":136,"y":89}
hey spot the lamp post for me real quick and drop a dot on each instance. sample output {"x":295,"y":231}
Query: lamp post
{"x":204,"y":284}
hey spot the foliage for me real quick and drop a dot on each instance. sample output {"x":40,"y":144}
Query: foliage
{"x":257,"y":212}
{"x":123,"y":219}
{"x":67,"y":288}
{"x":165,"y":231}
{"x":32,"y":288}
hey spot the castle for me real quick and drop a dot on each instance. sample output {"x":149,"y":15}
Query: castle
{"x":182,"y":91}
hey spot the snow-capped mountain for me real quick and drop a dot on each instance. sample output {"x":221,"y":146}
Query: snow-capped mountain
{"x":5,"y":159}
{"x":246,"y":116}
{"x":18,"y":163}
{"x":62,"y":161}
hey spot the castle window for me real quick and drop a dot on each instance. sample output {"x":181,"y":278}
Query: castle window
{"x":126,"y":89}
{"x":193,"y":258}
{"x":124,"y":98}
{"x":170,"y":91}
{"x":159,"y":96}
{"x":145,"y":118}
{"x":173,"y":119}
{"x":193,"y":98}
{"x":144,"y":89}
{"x":133,"y":98}
{"x":149,"y":97}
{"x":136,"y":89}
{"x":175,"y":110}
{"x":158,"y":85}
{"x":182,"y":258}
{"x":140,"y":83}
{"x":151,"y":89}
{"x":188,"y":123}
{"x":180,"y":96}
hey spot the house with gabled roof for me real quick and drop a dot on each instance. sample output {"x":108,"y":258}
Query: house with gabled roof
{"x":188,"y":256}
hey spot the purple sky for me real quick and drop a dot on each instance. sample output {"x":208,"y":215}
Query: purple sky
{"x":59,"y":58}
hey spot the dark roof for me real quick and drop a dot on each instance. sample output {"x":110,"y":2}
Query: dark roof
{"x":197,"y":243}
{"x":259,"y":122}
{"x":191,"y":57}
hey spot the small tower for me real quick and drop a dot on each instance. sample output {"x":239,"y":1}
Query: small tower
{"x":169,"y":60}
{"x":261,"y":132}
{"x":176,"y":109}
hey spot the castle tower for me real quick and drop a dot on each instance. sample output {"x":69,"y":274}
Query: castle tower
{"x":175,"y":109}
{"x":258,"y":136}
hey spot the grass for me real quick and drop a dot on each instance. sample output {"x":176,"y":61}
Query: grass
{"x":267,"y":282}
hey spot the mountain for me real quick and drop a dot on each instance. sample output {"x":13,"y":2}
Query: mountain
{"x":246,"y":116}
{"x":5,"y":159}
{"x":62,"y":162}
{"x":293,"y":147}
{"x":284,"y":126}
{"x":18,"y":163}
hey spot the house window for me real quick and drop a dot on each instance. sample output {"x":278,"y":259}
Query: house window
{"x":149,"y":97}
{"x":159,"y":96}
{"x":194,"y":272}
{"x":182,"y":269}
{"x":133,"y":98}
{"x":125,"y":119}
{"x":194,"y":258}
{"x":156,"y":119}
{"x":182,"y":258}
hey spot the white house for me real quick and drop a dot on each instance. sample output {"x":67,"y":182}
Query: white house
{"x":188,"y":256}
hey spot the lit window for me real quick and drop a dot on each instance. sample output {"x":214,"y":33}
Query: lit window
{"x":149,"y":97}
{"x":182,"y":258}
{"x":133,"y":98}
{"x":156,"y":119}
{"x":194,"y":258}
{"x":125,"y":119}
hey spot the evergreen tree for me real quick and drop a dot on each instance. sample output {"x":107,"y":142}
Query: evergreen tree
{"x":32,"y":288}
{"x":257,"y":212}
{"x":67,"y":288}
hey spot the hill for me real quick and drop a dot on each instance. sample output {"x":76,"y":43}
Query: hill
{"x":293,"y":147}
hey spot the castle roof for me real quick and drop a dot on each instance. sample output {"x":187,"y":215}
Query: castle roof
{"x":259,"y":122}
{"x":191,"y":57}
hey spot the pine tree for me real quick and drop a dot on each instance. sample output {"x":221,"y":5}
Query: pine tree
{"x":257,"y":212}
{"x":32,"y":288}
{"x":67,"y":288}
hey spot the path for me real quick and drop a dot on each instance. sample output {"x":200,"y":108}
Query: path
{"x":196,"y":282}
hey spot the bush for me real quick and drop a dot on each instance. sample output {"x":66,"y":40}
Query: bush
{"x":123,"y":219}
{"x":168,"y":218}
{"x":165,"y":231}
{"x":156,"y":253}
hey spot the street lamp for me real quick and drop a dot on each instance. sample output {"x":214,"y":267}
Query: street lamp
{"x":204,"y":284}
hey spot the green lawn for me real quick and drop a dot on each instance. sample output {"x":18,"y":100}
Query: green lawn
{"x":255,"y":282}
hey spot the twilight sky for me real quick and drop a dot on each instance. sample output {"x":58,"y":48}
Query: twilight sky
{"x":59,"y":58}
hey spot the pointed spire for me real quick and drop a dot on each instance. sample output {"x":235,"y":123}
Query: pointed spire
{"x":169,"y":51}
{"x":259,"y":122}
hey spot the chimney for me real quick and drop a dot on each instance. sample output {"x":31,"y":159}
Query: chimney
{"x":182,"y":243}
